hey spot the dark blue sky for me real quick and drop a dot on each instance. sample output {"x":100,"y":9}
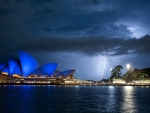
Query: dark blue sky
{"x":78,"y":34}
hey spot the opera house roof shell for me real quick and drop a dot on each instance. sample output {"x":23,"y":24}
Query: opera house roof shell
{"x":26,"y":65}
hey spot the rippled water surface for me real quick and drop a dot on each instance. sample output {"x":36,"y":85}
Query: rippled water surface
{"x":74,"y":99}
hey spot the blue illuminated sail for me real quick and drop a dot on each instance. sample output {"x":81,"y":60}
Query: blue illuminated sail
{"x":6,"y":69}
{"x":39,"y":72}
{"x":2,"y":65}
{"x":57,"y":73}
{"x":18,"y":70}
{"x":68,"y":72}
{"x":14,"y":66}
{"x":50,"y":68}
{"x":28,"y":63}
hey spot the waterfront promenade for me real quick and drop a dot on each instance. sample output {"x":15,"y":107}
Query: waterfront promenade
{"x":93,"y":84}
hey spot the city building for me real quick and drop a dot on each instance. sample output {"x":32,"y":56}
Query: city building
{"x":141,"y":81}
{"x":118,"y":81}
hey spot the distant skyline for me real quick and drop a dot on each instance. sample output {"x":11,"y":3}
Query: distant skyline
{"x":78,"y":34}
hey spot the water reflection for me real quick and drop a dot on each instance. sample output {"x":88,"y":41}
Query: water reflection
{"x":111,"y":98}
{"x":74,"y":99}
{"x":128,"y":104}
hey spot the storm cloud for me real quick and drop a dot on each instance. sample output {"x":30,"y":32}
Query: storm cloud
{"x":87,"y":45}
{"x":31,"y":19}
{"x":90,"y":27}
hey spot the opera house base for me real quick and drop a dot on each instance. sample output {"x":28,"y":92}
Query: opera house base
{"x":8,"y":80}
{"x":29,"y":84}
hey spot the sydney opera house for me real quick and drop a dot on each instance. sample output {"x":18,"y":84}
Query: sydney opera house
{"x":26,"y":70}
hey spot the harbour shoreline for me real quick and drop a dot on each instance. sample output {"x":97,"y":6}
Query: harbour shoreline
{"x":2,"y":84}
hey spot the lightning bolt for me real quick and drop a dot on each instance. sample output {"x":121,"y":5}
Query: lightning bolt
{"x":103,"y":68}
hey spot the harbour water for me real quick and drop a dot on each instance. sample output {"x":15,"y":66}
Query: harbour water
{"x":74,"y":99}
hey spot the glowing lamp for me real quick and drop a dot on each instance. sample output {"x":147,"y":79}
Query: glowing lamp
{"x":128,"y":66}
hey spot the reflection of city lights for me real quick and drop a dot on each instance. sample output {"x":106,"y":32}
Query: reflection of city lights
{"x":128,"y":66}
{"x":128,"y":100}
{"x":111,"y":86}
{"x":128,"y":87}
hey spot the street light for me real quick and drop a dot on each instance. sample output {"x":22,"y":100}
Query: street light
{"x":128,"y":66}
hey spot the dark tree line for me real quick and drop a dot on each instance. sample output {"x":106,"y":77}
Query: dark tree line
{"x":130,"y":74}
{"x":137,"y":74}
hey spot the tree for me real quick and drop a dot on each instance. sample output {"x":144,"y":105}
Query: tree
{"x":136,"y":74}
{"x":116,"y":72}
{"x":129,"y":75}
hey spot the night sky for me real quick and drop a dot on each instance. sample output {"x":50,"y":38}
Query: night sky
{"x":78,"y":34}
